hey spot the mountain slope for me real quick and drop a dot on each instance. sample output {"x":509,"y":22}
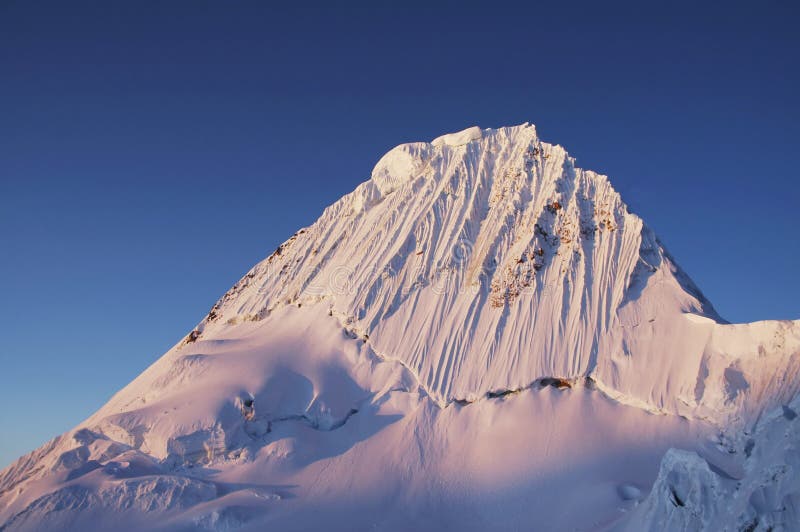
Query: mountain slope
{"x":475,"y":332}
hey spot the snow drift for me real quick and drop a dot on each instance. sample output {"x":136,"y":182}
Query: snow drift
{"x":481,"y":336}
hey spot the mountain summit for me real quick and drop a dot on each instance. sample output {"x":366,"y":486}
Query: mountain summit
{"x":480,"y":336}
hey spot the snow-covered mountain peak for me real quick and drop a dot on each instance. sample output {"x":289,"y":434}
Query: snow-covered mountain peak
{"x":408,"y":161}
{"x":481,"y":322}
{"x":484,"y":260}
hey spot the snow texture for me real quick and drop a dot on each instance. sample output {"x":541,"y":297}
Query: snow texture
{"x":481,"y":336}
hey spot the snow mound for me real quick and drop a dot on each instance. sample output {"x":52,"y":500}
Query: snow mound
{"x":460,"y":138}
{"x":398,"y":167}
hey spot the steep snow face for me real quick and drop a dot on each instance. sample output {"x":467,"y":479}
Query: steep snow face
{"x":486,"y":260}
{"x":473,"y":336}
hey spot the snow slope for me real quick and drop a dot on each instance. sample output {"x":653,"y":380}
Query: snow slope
{"x":480,"y":336}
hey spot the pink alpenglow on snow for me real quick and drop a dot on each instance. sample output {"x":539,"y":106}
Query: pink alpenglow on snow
{"x":479,"y":337}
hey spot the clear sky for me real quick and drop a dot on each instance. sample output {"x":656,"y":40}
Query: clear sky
{"x":152,"y":152}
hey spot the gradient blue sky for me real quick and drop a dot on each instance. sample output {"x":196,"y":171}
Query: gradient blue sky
{"x":152,"y":152}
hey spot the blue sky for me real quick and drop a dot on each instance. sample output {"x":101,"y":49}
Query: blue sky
{"x":152,"y":152}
